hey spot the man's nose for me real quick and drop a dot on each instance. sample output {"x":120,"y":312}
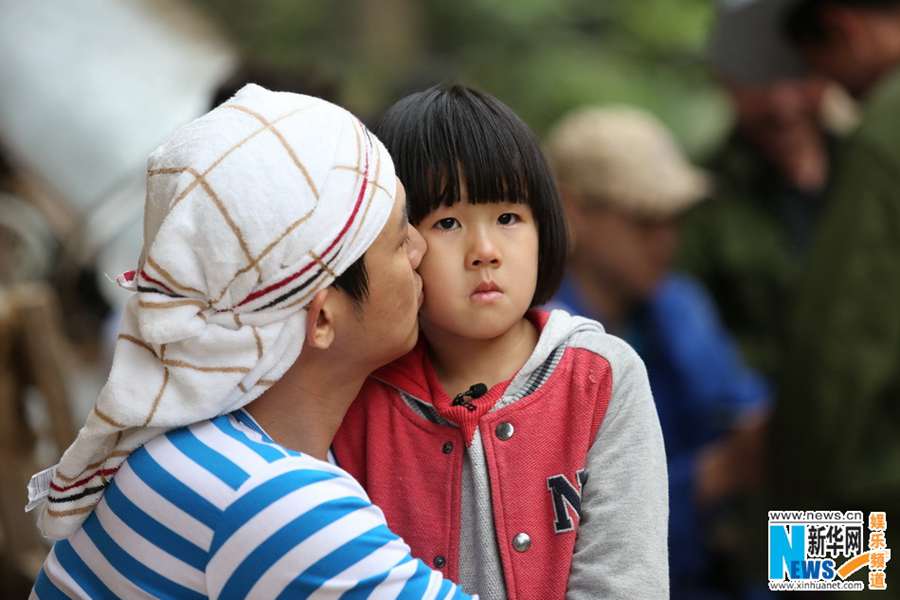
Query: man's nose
{"x":789,"y":103}
{"x":483,"y":251}
{"x":662,"y":240}
{"x":416,"y":247}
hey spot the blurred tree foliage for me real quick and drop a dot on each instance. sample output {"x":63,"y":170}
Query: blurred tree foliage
{"x":542,"y":57}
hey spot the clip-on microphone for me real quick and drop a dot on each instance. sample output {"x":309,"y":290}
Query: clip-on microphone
{"x":475,"y":391}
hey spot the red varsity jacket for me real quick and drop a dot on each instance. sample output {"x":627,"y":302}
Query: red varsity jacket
{"x":535,"y":438}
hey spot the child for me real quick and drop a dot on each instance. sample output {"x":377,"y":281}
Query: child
{"x":517,"y":451}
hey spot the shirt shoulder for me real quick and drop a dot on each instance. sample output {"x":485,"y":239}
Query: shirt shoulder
{"x":303,"y":527}
{"x":214,"y":457}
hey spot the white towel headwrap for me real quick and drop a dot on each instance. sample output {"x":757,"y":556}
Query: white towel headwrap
{"x":250,"y":210}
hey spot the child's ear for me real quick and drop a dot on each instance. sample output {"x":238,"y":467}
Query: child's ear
{"x":320,"y":321}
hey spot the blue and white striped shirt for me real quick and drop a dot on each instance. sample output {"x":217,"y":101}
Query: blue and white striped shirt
{"x":219,"y":510}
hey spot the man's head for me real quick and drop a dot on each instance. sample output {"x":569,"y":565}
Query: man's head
{"x":855,"y":42}
{"x":256,"y":209}
{"x":624,"y":183}
{"x":759,"y":42}
{"x":369,"y":316}
{"x":778,"y":103}
{"x":782,"y":119}
{"x":253,"y":212}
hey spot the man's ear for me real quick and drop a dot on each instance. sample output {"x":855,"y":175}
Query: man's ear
{"x":571,"y":200}
{"x":320,"y":321}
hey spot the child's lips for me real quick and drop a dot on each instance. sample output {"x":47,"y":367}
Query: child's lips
{"x":487,"y":286}
{"x":487,"y":291}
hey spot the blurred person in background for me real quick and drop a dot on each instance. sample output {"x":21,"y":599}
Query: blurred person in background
{"x":748,"y":242}
{"x":842,"y":370}
{"x":625,"y":185}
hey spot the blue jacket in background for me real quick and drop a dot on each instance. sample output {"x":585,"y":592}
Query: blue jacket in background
{"x":701,"y":387}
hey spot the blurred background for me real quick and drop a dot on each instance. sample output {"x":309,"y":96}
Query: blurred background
{"x":88,"y":89}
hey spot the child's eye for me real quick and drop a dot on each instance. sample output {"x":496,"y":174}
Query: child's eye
{"x":508,"y":218}
{"x":447,"y":224}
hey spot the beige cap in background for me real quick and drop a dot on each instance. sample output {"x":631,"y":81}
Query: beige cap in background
{"x":625,"y":158}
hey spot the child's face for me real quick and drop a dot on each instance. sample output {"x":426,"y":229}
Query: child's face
{"x":480,"y":270}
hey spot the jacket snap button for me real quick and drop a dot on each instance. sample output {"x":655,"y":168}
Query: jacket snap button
{"x":447,"y":447}
{"x":505,"y":431}
{"x":439,"y":561}
{"x":522,"y":542}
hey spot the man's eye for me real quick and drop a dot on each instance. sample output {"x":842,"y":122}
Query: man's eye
{"x":446,"y":224}
{"x":508,"y":218}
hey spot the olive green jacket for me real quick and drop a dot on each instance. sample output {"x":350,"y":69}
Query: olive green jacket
{"x":837,"y":428}
{"x":746,"y":244}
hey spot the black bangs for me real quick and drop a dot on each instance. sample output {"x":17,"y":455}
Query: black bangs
{"x":452,"y":135}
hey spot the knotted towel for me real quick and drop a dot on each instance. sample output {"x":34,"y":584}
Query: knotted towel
{"x":250,"y":210}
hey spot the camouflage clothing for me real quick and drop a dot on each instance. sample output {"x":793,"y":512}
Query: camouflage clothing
{"x":746,"y":245}
{"x":838,"y":429}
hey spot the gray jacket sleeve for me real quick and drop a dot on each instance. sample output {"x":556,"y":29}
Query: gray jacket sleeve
{"x":622,"y":547}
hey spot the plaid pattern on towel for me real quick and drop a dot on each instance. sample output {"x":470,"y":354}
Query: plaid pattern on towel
{"x":251,"y":209}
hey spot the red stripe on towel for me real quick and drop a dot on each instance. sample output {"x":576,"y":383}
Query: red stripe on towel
{"x":287,"y":280}
{"x":101,"y":472}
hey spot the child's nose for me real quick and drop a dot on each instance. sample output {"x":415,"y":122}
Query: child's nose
{"x":483,"y":252}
